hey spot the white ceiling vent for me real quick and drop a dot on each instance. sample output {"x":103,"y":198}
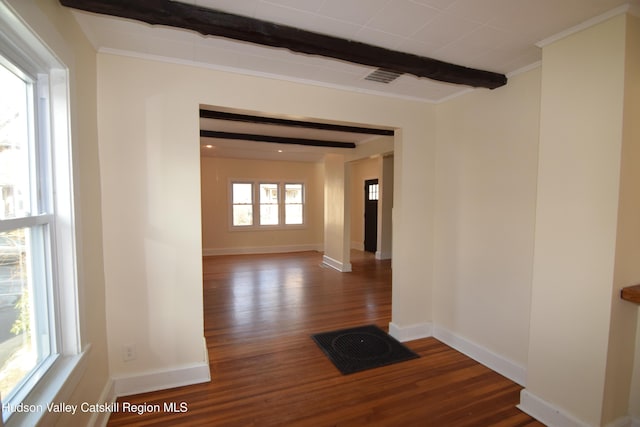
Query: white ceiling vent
{"x":383,"y":76}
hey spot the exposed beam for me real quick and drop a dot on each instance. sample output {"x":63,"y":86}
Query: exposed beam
{"x":246,"y":118}
{"x":275,"y":139}
{"x":211,"y":22}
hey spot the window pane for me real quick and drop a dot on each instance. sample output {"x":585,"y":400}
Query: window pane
{"x":15,"y":194}
{"x":293,"y":193}
{"x":242,"y":215}
{"x":24,"y":331}
{"x":268,"y":193}
{"x":268,"y":214}
{"x":293,"y":214}
{"x":242,"y":193}
{"x":373,"y":192}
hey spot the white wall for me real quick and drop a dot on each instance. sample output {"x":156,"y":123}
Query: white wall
{"x":149,"y":148}
{"x":413,"y":230}
{"x":485,"y":205}
{"x":337,"y":210}
{"x":145,"y":192}
{"x":385,"y":210}
{"x":217,"y":235}
{"x":576,"y":327}
{"x":628,"y":245}
{"x":149,"y":152}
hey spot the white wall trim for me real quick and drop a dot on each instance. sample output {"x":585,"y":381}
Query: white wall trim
{"x":410,"y":332}
{"x":635,"y":422}
{"x":107,"y":397}
{"x":162,"y":380}
{"x":261,"y":250}
{"x":336,"y":265}
{"x":546,"y":413}
{"x":524,"y":69}
{"x":500,"y":364}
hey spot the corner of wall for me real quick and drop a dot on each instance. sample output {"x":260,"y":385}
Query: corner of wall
{"x":410,"y":332}
{"x":178,"y":376}
{"x":547,"y":413}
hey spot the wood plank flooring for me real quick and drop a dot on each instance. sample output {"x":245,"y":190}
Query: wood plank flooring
{"x":260,"y":311}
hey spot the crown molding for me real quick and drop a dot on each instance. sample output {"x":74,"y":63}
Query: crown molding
{"x":620,"y":10}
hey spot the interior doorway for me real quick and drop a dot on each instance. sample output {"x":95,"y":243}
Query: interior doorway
{"x":371,"y":197}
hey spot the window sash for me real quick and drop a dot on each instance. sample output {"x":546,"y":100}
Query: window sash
{"x":242,"y":204}
{"x":269,"y":204}
{"x":26,"y":214}
{"x":27,"y":55}
{"x":294,"y":205}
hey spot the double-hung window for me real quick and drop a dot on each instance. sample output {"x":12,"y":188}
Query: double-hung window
{"x":39,"y":338}
{"x":294,"y":204}
{"x":266,"y":204}
{"x":242,"y":204}
{"x":269,"y":202}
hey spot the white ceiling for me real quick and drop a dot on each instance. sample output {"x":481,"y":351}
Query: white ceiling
{"x":493,"y":35}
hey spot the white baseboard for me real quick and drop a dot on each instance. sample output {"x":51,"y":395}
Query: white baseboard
{"x":546,"y":413}
{"x":505,"y":367}
{"x":336,"y":265}
{"x":383,"y":255}
{"x":551,"y":415}
{"x":411,"y":332}
{"x":493,"y":361}
{"x":162,"y":380}
{"x":261,"y":250}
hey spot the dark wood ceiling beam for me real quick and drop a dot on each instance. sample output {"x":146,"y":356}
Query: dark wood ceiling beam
{"x":247,"y":118}
{"x":275,"y":139}
{"x":211,"y":22}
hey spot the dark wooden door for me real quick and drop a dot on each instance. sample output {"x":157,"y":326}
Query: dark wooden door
{"x":371,"y":196}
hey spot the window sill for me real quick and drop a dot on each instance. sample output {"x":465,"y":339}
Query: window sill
{"x":54,"y":387}
{"x":267,"y":227}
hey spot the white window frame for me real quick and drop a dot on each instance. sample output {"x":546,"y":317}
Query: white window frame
{"x":233,"y":204}
{"x":58,"y":375}
{"x":256,"y":226}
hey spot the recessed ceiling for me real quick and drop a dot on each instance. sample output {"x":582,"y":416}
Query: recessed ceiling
{"x":293,"y":130}
{"x":491,"y":35}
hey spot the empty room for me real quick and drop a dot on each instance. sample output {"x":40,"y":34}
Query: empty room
{"x":196,"y":196}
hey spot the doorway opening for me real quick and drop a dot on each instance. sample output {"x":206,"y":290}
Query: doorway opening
{"x":371,"y":197}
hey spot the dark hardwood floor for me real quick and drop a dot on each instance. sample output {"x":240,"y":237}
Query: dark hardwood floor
{"x":260,"y":311}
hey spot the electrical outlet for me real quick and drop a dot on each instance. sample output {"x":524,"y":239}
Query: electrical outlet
{"x":128,"y":352}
